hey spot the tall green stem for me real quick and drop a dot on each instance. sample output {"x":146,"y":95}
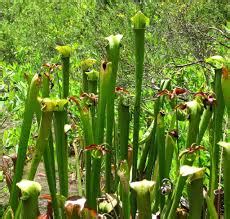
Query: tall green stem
{"x":88,"y":140}
{"x":106,"y":70}
{"x":210,"y":206}
{"x":226,"y":158}
{"x":48,"y":107}
{"x":143,"y":188}
{"x":88,"y":120}
{"x":195,"y":110}
{"x":147,"y":140}
{"x":113,"y":50}
{"x":48,"y":154}
{"x":139,"y":24}
{"x":65,"y":52}
{"x":30,"y":192}
{"x":161,"y":152}
{"x":123,"y":170}
{"x":42,"y":142}
{"x":92,"y":85}
{"x":195,"y":194}
{"x":225,"y":83}
{"x":86,"y":65}
{"x":170,"y":146}
{"x":60,"y":121}
{"x":95,"y":179}
{"x":123,"y":173}
{"x":205,"y":120}
{"x":218,"y":121}
{"x":123,"y":126}
{"x":78,"y":170}
{"x":185,"y":171}
{"x":153,"y":149}
{"x":24,"y":137}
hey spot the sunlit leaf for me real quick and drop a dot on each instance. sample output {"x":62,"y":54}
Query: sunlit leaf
{"x":139,"y":20}
{"x":49,"y":104}
{"x":216,"y":61}
{"x":189,"y":170}
{"x":65,"y":51}
{"x":142,"y":186}
{"x":114,"y":40}
{"x":29,"y":188}
{"x":87,"y":63}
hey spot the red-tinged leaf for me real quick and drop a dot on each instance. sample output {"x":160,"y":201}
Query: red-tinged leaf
{"x":48,"y":65}
{"x":225,"y":72}
{"x":100,"y":148}
{"x":121,"y":89}
{"x":74,"y":205}
{"x":91,"y":96}
{"x":92,"y":212}
{"x":46,"y":196}
{"x":43,"y":216}
{"x":208,"y":99}
{"x":163,"y":92}
{"x":179,"y":91}
{"x":90,"y":147}
{"x":200,"y":93}
{"x":181,"y":106}
{"x":74,"y":99}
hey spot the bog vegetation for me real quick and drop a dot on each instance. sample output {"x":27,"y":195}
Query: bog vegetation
{"x":130,"y":102}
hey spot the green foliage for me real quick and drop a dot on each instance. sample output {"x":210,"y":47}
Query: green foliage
{"x":180,"y":37}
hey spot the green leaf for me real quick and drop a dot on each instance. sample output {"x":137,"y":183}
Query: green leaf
{"x":65,"y":51}
{"x":1,"y":176}
{"x":139,"y":20}
{"x":29,"y":188}
{"x":142,"y":186}
{"x":186,"y":170}
{"x":224,"y":144}
{"x":216,"y":61}
{"x":92,"y":75}
{"x":8,"y":214}
{"x":108,"y":204}
{"x":87,"y":63}
{"x":114,"y":40}
{"x":50,"y":105}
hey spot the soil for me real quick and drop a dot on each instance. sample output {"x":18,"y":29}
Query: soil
{"x":40,"y":178}
{"x":6,"y":123}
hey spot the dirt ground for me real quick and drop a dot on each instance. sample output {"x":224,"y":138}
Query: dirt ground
{"x":6,"y":123}
{"x":40,"y":178}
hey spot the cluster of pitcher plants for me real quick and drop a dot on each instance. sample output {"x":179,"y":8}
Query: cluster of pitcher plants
{"x":120,"y":172}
